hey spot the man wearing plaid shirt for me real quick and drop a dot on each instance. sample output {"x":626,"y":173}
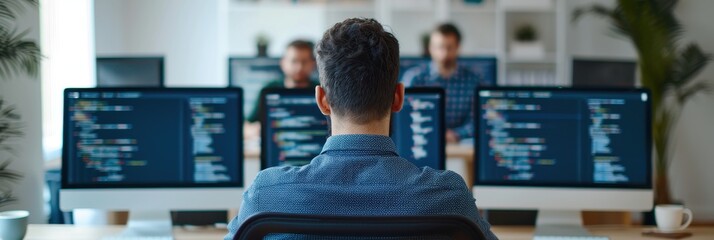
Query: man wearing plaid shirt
{"x":458,"y":81}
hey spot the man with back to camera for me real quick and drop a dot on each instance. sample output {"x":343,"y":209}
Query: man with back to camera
{"x":458,"y":81}
{"x":359,"y":171}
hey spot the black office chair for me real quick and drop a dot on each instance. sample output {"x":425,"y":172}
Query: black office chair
{"x":422,"y":227}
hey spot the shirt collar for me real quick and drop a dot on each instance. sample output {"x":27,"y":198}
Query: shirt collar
{"x":434,"y":70}
{"x":359,"y":142}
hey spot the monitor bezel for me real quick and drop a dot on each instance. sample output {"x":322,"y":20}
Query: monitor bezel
{"x":158,"y":59}
{"x":580,"y":59}
{"x":65,"y":184}
{"x":442,"y":118}
{"x":648,"y":141}
{"x":233,"y":82}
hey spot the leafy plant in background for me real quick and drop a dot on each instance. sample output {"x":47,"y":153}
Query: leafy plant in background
{"x":526,"y":33}
{"x":17,"y":56}
{"x":10,"y":128}
{"x":262,"y":41}
{"x":667,"y":68}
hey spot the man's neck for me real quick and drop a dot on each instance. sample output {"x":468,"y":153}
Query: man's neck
{"x":447,"y":69}
{"x":341,"y":126}
{"x":292,"y":83}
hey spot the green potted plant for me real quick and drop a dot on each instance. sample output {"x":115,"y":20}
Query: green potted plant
{"x":525,"y":44}
{"x":262,"y":41}
{"x":667,"y":68}
{"x":17,"y":56}
{"x":526,"y":33}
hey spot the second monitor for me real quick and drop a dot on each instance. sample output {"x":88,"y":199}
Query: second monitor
{"x":561,"y":151}
{"x":294,"y":130}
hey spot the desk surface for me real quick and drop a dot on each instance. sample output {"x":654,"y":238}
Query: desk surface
{"x":42,"y":231}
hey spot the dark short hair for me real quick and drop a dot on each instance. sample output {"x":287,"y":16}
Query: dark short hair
{"x":302,"y":45}
{"x":358,"y":62}
{"x":449,"y":29}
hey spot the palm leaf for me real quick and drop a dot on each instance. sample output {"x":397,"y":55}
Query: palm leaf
{"x":7,"y":174}
{"x":10,"y":8}
{"x":18,"y":55}
{"x":691,"y":61}
{"x":684,"y":94}
{"x":10,"y":126}
{"x":619,"y":27}
{"x":595,"y":9}
{"x":6,"y":197}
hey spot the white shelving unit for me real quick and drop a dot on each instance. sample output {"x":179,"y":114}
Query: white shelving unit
{"x":545,"y":16}
{"x":487,"y":28}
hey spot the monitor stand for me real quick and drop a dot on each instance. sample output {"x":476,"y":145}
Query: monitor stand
{"x":149,"y":223}
{"x":556,"y":223}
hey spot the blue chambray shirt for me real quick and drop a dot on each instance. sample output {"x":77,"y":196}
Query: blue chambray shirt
{"x":459,"y":89}
{"x":358,"y":175}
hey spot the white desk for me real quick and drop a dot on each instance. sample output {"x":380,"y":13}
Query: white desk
{"x":43,"y":231}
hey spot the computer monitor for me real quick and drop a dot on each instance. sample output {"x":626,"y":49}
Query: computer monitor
{"x":151,"y":150}
{"x":601,"y":73}
{"x":130,"y":72}
{"x":294,"y":130}
{"x":252,"y":73}
{"x":418,"y":129}
{"x":484,"y":66}
{"x":562,"y":150}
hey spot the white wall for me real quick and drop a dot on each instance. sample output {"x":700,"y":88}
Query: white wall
{"x":281,"y":23}
{"x":190,"y":34}
{"x":286,"y":22}
{"x":591,"y":36}
{"x":694,"y":148}
{"x":68,"y":50}
{"x":24,"y":92}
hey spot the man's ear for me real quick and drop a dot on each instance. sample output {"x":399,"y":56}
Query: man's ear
{"x":321,"y":99}
{"x":283,"y":63}
{"x":398,"y":101}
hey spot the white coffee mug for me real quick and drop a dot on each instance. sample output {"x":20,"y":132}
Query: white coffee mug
{"x":669,"y":217}
{"x":13,"y":224}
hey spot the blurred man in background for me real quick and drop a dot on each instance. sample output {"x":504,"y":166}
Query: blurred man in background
{"x":297,"y":64}
{"x":444,"y":71}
